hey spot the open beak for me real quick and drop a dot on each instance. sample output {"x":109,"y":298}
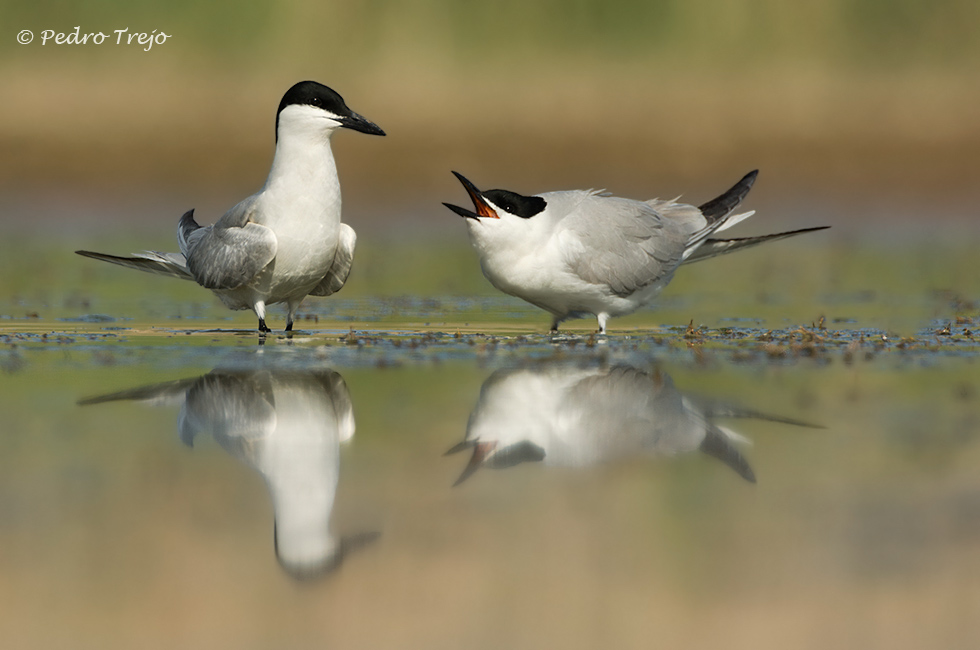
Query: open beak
{"x":480,"y":451}
{"x":360,"y":123}
{"x":479,"y":204}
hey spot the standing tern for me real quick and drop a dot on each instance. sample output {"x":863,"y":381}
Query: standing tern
{"x":286,"y":241}
{"x":582,"y":252}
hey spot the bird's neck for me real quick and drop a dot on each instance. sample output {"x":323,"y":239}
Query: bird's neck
{"x":302,"y":514}
{"x":304,"y":173}
{"x":301,"y":467}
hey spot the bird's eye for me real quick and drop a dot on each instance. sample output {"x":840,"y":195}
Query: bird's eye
{"x":316,"y":101}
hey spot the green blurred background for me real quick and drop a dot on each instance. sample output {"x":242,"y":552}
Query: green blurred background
{"x":841,"y":97}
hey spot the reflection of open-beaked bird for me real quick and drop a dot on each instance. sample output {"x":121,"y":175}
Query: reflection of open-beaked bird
{"x":288,"y":425}
{"x":567,"y":416}
{"x":581,"y":252}
{"x":285,"y":242}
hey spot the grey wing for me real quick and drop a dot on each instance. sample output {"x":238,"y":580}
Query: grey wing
{"x":230,"y":253}
{"x":622,"y":243}
{"x":232,"y":407}
{"x":717,"y":445}
{"x":172,"y":264}
{"x":336,"y":391}
{"x":336,"y":276}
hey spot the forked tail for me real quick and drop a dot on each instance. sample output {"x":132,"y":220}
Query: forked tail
{"x":718,"y":213}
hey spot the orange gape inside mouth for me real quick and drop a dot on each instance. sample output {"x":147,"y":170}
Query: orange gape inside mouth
{"x":482,"y":209}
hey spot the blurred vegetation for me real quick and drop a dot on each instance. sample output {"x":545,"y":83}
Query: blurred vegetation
{"x":850,"y":94}
{"x":464,"y":33}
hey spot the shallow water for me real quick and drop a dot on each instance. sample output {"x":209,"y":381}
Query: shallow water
{"x":169,"y":489}
{"x":754,"y":468}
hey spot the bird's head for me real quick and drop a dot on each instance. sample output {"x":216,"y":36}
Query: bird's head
{"x":310,"y":108}
{"x":497,"y":213}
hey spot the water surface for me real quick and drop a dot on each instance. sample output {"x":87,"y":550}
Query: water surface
{"x":785,"y":456}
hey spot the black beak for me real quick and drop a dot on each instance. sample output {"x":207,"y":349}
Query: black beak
{"x":481,"y":206}
{"x":463,"y":212}
{"x":360,"y":123}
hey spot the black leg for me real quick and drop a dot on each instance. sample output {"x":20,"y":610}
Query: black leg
{"x":263,"y":327}
{"x":289,"y":326}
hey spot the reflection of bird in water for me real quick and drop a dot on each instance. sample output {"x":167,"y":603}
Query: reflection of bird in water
{"x":289,"y":426}
{"x":566,"y":416}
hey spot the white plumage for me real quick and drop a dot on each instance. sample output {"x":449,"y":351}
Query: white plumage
{"x":286,"y":241}
{"x":563,"y":415}
{"x":577,"y":252}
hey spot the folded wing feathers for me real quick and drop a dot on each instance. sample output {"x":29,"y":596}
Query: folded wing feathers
{"x":171,"y":264}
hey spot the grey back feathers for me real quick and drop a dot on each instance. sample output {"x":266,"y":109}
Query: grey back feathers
{"x":634,"y":244}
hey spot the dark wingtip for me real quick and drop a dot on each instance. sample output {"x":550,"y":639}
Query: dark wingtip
{"x":718,"y":446}
{"x":187,"y":223}
{"x":723,"y":205}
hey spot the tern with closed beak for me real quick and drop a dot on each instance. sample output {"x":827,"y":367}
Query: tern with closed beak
{"x":581,"y":252}
{"x":285,"y":242}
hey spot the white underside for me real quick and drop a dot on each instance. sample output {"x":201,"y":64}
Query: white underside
{"x":545,"y":281}
{"x":301,"y":204}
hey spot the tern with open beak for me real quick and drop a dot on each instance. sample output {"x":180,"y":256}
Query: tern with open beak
{"x":582,"y":252}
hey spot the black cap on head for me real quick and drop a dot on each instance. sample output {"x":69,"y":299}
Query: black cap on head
{"x":518,"y":205}
{"x":311,"y":93}
{"x":316,"y":94}
{"x":513,"y":203}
